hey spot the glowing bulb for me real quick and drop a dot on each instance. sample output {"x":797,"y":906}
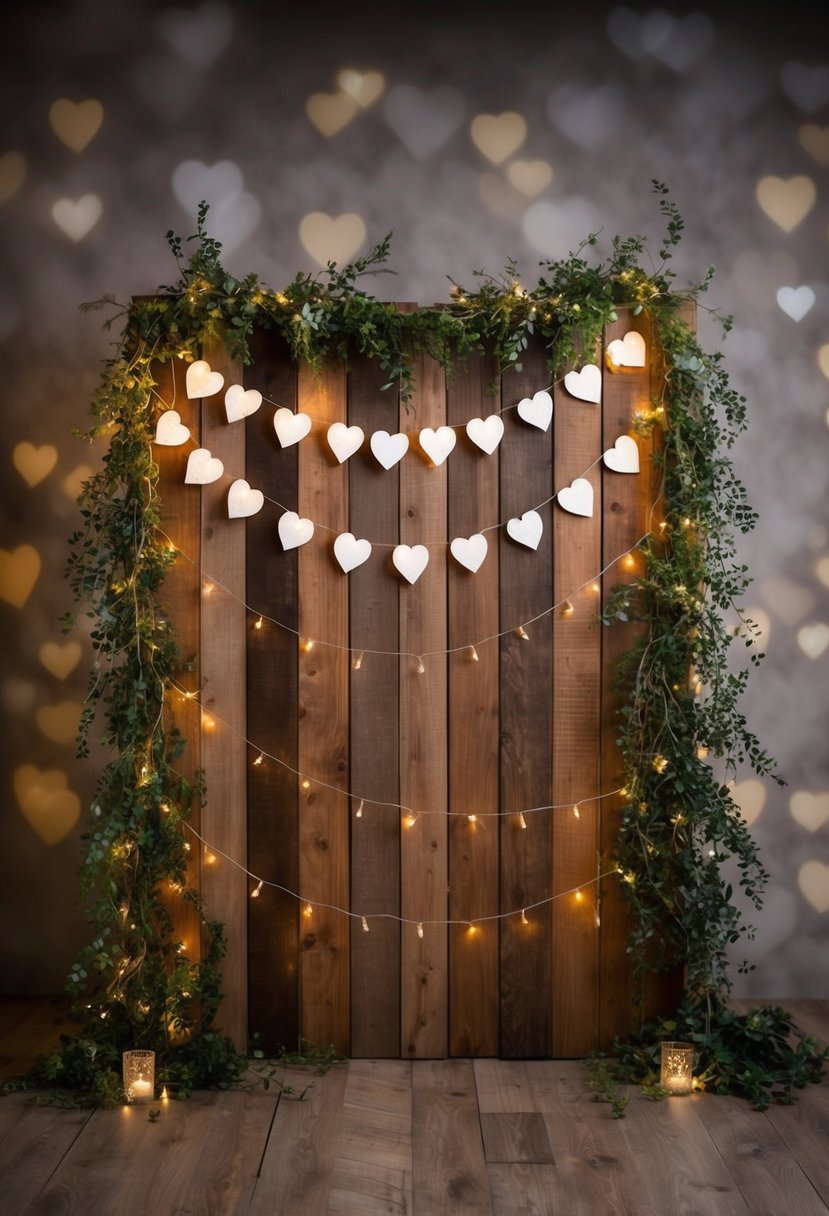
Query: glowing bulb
{"x":473,"y":654}
{"x":357,"y":661}
{"x":578,"y":897}
{"x":522,"y":633}
{"x":524,"y":920}
{"x":358,"y":814}
{"x":702,"y":753}
{"x":522,"y":823}
{"x":663,"y":525}
{"x":594,"y":587}
{"x":576,"y":811}
{"x":165,"y":808}
{"x":210,"y":858}
{"x":306,"y":644}
{"x":629,"y":561}
{"x":472,"y":819}
{"x":207,"y":722}
{"x":306,"y":784}
{"x":471,"y":929}
{"x":568,"y":609}
{"x":597,"y":920}
{"x":420,"y":666}
{"x":410,"y":820}
{"x":420,"y":928}
{"x":307,"y":911}
{"x":260,"y":759}
{"x":207,"y":588}
{"x":165,"y":1097}
{"x":365,"y":925}
{"x":257,"y":889}
{"x":259,"y":623}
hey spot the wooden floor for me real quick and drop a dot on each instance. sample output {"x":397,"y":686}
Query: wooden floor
{"x":466,"y":1137}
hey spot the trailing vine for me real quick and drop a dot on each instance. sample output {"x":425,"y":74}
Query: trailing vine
{"x":136,"y":983}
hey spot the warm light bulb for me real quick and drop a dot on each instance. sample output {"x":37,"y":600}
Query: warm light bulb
{"x":568,"y":609}
{"x":524,"y":920}
{"x":420,"y":666}
{"x":576,"y":811}
{"x":471,"y":929}
{"x":473,"y":654}
{"x":260,"y":759}
{"x":306,"y":784}
{"x":522,"y":633}
{"x":207,"y":722}
{"x":359,"y":812}
{"x":365,"y":925}
{"x":472,"y":819}
{"x":420,"y":928}
{"x":357,"y":661}
{"x":594,"y":587}
{"x":629,"y":561}
{"x":257,"y":889}
{"x":165,"y":1097}
{"x":210,"y":858}
{"x":522,"y":823}
{"x":259,"y":623}
{"x":307,"y":911}
{"x":207,"y":588}
{"x":306,"y":644}
{"x":578,"y":897}
{"x":410,"y":820}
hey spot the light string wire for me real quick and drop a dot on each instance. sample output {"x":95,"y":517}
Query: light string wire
{"x":466,"y":921}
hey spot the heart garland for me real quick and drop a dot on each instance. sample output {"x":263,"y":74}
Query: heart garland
{"x":351,"y":552}
{"x":203,"y":468}
{"x":411,"y":561}
{"x":290,"y":427}
{"x":170,"y":432}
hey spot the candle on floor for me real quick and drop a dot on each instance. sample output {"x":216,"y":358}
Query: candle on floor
{"x":139,"y":1075}
{"x":677,"y":1066}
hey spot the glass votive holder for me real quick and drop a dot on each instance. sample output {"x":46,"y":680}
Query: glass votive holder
{"x":677,"y":1067}
{"x":139,"y":1075}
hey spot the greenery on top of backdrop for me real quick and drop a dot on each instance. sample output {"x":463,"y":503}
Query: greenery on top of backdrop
{"x":134,"y":984}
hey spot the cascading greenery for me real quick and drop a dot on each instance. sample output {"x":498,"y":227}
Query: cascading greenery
{"x":134,"y":984}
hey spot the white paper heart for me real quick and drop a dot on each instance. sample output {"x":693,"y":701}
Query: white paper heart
{"x":811,"y":811}
{"x":623,"y":457}
{"x":201,"y":381}
{"x":351,"y":552}
{"x":470,"y":552}
{"x":577,"y":498}
{"x":203,"y":468}
{"x":486,"y":433}
{"x":77,"y":217}
{"x":290,"y":427}
{"x":170,"y":431}
{"x":538,"y":410}
{"x":437,"y":444}
{"x":527,"y":529}
{"x":813,"y":639}
{"x":344,"y":440}
{"x":293,"y":530}
{"x":586,"y":384}
{"x":796,"y":301}
{"x":388,"y":449}
{"x":411,"y":561}
{"x":626,"y":352}
{"x":241,"y":402}
{"x":242,"y":501}
{"x":813,"y":880}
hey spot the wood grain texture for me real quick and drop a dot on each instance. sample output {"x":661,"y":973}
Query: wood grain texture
{"x":224,"y":719}
{"x":474,"y":723}
{"x":526,"y":726}
{"x":33,"y":1143}
{"x":577,"y":656}
{"x":323,"y":721}
{"x":372,"y":1170}
{"x":423,"y":748}
{"x":181,"y":598}
{"x":375,"y":758}
{"x":273,"y":823}
{"x":804,"y":1128}
{"x":450,"y":1175}
{"x":516,"y":1138}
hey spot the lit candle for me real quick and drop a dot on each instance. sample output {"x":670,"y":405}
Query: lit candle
{"x":141,"y":1090}
{"x":139,"y":1075}
{"x":677,"y":1062}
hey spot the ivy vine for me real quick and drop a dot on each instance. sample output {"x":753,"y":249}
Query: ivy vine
{"x":135,"y":984}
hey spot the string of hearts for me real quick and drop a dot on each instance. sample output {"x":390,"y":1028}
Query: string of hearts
{"x":420,"y":925}
{"x":359,"y":652}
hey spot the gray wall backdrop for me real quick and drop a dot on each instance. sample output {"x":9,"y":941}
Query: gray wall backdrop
{"x":238,"y":103}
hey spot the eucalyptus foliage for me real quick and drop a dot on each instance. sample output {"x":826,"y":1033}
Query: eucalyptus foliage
{"x":135,"y":983}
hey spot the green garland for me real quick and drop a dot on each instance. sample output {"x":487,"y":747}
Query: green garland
{"x":134,"y":984}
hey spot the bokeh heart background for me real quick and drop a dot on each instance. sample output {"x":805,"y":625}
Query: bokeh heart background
{"x":478,"y":134}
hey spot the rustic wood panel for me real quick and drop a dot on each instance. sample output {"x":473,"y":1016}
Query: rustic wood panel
{"x":577,"y":656}
{"x":625,"y":518}
{"x":375,"y":762}
{"x":222,"y":649}
{"x":273,"y":844}
{"x":450,"y":1175}
{"x":473,"y":723}
{"x":181,"y":598}
{"x":526,"y":726}
{"x":323,"y":720}
{"x":423,"y":748}
{"x":372,"y":1171}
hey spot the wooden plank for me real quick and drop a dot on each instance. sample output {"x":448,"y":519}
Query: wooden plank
{"x":372,"y":1170}
{"x":474,"y":721}
{"x":273,"y":824}
{"x":423,"y":760}
{"x":450,"y":1175}
{"x":295,"y":1175}
{"x":804,"y":1128}
{"x":323,"y":720}
{"x":516,"y":1138}
{"x":212,"y":1144}
{"x":375,"y":834}
{"x":34,"y":1141}
{"x":29,"y":1027}
{"x":770,"y":1180}
{"x":524,"y":1190}
{"x":627,"y":501}
{"x":526,"y":726}
{"x":180,"y":596}
{"x":577,"y":645}
{"x":223,"y":699}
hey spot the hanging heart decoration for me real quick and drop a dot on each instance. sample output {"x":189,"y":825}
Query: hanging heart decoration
{"x":526,"y":529}
{"x":577,"y":498}
{"x":469,"y":551}
{"x":201,"y":381}
{"x":410,"y":561}
{"x":586,"y":384}
{"x":203,"y":468}
{"x":623,"y":457}
{"x":241,"y":402}
{"x":290,"y":427}
{"x":437,"y":444}
{"x":538,"y":410}
{"x":486,"y":433}
{"x":294,"y":531}
{"x":626,"y":352}
{"x":389,"y":449}
{"x":170,"y":431}
{"x":242,"y":501}
{"x":344,"y":440}
{"x":351,"y":552}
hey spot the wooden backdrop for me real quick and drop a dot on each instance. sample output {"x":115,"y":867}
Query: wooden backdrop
{"x":294,"y":737}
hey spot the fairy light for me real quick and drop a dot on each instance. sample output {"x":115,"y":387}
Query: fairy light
{"x":306,"y":645}
{"x":357,"y":661}
{"x":364,"y":924}
{"x":308,"y":911}
{"x":208,"y":588}
{"x":473,"y":654}
{"x":421,"y":667}
{"x":420,"y":928}
{"x":473,"y":819}
{"x":568,"y":609}
{"x":358,"y":814}
{"x":578,"y":896}
{"x":471,"y":929}
{"x":257,"y":890}
{"x":524,"y":920}
{"x":595,"y":588}
{"x":576,"y":811}
{"x":410,"y":820}
{"x":306,"y":784}
{"x":522,"y":823}
{"x":258,"y":624}
{"x":260,"y":760}
{"x":629,"y":562}
{"x":522,"y":633}
{"x":210,"y":858}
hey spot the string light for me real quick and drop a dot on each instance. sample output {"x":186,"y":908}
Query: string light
{"x":524,"y":920}
{"x":306,"y":784}
{"x":421,"y":667}
{"x":358,"y":814}
{"x":260,"y":759}
{"x":410,"y":820}
{"x":420,"y":928}
{"x":365,"y":925}
{"x":306,"y":645}
{"x":473,"y":654}
{"x":257,"y":890}
{"x":522,"y":823}
{"x":578,"y":896}
{"x":522,"y":633}
{"x":307,"y":911}
{"x":576,"y":811}
{"x":210,"y":858}
{"x":208,"y":588}
{"x":568,"y":609}
{"x":357,"y":661}
{"x":259,"y":623}
{"x":473,"y":819}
